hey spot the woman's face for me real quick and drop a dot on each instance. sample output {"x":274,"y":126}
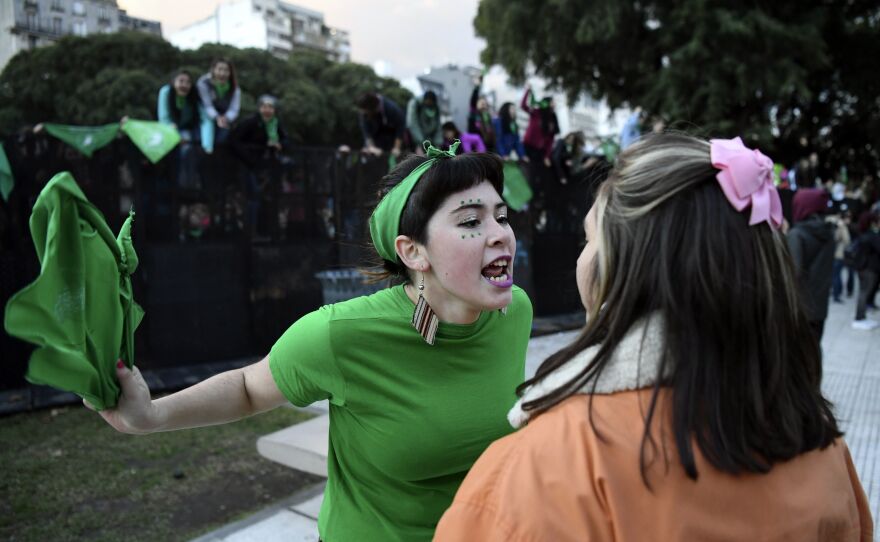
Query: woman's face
{"x":448,"y":135}
{"x":221,"y":72}
{"x":470,"y":250}
{"x":586,"y":261}
{"x":482,"y":104}
{"x":182,"y":84}
{"x":511,"y":110}
{"x":267,"y":110}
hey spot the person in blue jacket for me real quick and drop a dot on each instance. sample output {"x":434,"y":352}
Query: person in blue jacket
{"x":507,"y":138}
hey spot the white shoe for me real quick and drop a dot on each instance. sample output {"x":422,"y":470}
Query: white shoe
{"x":865,"y":325}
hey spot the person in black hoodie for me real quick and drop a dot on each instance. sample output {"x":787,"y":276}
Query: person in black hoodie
{"x":869,"y":243}
{"x":258,"y":142}
{"x":811,"y":243}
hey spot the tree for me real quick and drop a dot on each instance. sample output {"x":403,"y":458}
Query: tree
{"x":788,"y":76}
{"x":100,"y":78}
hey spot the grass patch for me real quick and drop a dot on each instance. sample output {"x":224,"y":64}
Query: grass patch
{"x":67,"y":475}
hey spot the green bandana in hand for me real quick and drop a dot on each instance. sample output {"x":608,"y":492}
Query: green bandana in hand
{"x":222,"y":89}
{"x":79,"y":312}
{"x":154,"y":139}
{"x":272,"y":129}
{"x":6,"y":180}
{"x":85,"y":139}
{"x":385,"y":220}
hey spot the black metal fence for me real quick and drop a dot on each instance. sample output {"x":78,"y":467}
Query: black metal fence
{"x":228,"y":261}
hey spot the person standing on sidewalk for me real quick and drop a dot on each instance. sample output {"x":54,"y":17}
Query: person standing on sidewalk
{"x":811,"y":242}
{"x":842,"y":240}
{"x":690,"y":407}
{"x":869,"y":245}
{"x":419,"y":376}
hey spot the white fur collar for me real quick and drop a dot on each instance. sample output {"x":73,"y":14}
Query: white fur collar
{"x":634,"y":364}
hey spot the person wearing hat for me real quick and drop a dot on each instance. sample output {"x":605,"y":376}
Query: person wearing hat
{"x":419,"y":376}
{"x":258,"y":142}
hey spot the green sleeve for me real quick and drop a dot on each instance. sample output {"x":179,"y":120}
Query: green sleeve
{"x":303,"y":364}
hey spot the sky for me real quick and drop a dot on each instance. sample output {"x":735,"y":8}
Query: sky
{"x":400,"y":37}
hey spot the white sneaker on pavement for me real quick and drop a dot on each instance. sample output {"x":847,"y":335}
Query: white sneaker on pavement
{"x":865,"y":324}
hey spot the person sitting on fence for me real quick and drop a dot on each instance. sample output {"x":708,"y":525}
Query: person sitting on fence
{"x":179,"y":104}
{"x":221,"y":97}
{"x":469,"y":142}
{"x":382,"y":124}
{"x":690,"y":406}
{"x":419,"y":375}
{"x":507,"y":138}
{"x":258,"y":141}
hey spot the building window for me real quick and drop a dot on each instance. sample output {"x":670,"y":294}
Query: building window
{"x":79,"y":8}
{"x":56,"y":25}
{"x":32,"y":42}
{"x":57,"y":5}
{"x":32,"y":21}
{"x":79,"y":28}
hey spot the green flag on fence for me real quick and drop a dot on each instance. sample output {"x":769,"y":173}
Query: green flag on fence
{"x":517,"y":192}
{"x":154,"y":139}
{"x":85,"y":139}
{"x":6,"y":180}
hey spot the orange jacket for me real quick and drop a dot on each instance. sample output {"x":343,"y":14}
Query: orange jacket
{"x":556,"y":480}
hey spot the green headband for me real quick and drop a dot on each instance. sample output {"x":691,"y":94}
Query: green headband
{"x":385,"y":220}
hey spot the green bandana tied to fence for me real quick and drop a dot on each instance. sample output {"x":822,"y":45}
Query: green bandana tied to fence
{"x":79,"y":312}
{"x":154,"y":139}
{"x":517,"y":192}
{"x":85,"y":139}
{"x":6,"y":180}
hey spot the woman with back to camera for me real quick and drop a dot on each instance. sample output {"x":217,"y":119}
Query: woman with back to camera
{"x":419,"y":376}
{"x":689,"y":408}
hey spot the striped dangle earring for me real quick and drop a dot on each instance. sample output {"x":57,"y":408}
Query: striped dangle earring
{"x":424,"y":319}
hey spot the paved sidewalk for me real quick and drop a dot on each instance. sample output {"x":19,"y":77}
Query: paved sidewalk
{"x":851,"y":382}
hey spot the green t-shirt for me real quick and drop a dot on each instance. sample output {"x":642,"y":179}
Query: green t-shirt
{"x":407,"y":420}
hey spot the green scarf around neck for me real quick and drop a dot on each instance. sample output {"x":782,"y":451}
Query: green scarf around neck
{"x":222,"y":88}
{"x":272,"y":129}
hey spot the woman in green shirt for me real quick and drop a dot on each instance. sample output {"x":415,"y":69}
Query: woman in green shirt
{"x":419,"y":376}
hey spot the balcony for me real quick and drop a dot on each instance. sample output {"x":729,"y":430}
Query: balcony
{"x":42,"y":27}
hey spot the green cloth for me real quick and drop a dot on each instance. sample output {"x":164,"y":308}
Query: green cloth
{"x":517,"y":192}
{"x":154,"y":139}
{"x":222,"y":89}
{"x":85,"y":139}
{"x":407,"y":420}
{"x":272,"y":129}
{"x":6,"y":179}
{"x":610,"y":148}
{"x":79,"y":312}
{"x":180,"y":101}
{"x":385,"y":220}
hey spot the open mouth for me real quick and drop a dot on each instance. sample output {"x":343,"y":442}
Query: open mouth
{"x":499,"y":272}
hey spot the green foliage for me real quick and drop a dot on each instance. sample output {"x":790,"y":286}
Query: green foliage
{"x":101,"y":78}
{"x":789,"y":76}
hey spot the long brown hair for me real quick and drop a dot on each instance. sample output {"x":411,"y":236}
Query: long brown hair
{"x":738,"y":356}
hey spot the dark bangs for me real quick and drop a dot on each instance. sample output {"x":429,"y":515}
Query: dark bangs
{"x":443,"y":179}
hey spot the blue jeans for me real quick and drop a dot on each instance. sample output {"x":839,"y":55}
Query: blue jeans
{"x":837,"y":279}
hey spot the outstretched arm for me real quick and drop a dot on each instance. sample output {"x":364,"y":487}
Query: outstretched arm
{"x":223,"y":398}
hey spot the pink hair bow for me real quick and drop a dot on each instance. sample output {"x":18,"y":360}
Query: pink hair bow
{"x":746,"y":177}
